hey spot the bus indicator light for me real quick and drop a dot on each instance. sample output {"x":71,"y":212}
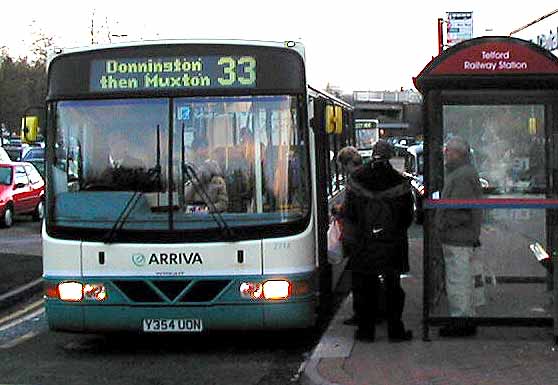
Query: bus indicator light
{"x":51,"y":290}
{"x":251,"y":290}
{"x":95,"y":291}
{"x":70,"y":291}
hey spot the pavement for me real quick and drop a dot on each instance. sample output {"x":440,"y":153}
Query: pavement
{"x":495,"y":356}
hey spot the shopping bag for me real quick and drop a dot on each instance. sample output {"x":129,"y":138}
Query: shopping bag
{"x":334,"y":244}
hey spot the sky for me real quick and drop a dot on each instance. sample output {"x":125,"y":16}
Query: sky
{"x":351,"y":44}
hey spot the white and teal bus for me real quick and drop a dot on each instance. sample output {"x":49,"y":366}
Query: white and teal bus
{"x":131,"y":128}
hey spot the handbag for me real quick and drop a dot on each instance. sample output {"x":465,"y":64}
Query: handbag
{"x":334,"y":243}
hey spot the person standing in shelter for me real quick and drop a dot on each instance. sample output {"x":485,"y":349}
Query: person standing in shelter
{"x":459,"y":232}
{"x":377,"y":214}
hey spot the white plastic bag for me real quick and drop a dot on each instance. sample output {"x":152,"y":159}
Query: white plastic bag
{"x":334,"y":244}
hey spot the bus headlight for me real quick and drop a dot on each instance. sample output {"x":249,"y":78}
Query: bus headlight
{"x":76,"y":292}
{"x":70,"y":291}
{"x":95,"y":291}
{"x":276,"y":289}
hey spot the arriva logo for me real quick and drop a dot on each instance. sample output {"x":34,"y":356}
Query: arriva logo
{"x":139,"y":259}
{"x":167,"y":259}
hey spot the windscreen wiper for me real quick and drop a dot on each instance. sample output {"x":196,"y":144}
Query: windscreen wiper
{"x":157,"y":170}
{"x":202,"y":192}
{"x":123,"y":216}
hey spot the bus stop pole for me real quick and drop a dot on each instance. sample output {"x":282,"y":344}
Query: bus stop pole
{"x":440,"y":36}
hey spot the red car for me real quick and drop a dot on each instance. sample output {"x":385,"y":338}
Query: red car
{"x":22,"y":191}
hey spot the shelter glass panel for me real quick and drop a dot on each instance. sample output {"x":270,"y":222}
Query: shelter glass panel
{"x":507,"y":146}
{"x":488,"y":258}
{"x":506,"y":275}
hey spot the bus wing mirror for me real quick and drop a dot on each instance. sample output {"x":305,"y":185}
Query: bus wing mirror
{"x":29,"y":129}
{"x":334,"y":120}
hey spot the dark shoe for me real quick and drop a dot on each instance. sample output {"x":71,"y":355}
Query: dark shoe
{"x":406,"y":335}
{"x":351,"y":321}
{"x":457,"y":331}
{"x":365,"y":335}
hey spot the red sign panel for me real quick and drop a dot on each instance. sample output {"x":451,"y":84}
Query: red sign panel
{"x":495,"y":58}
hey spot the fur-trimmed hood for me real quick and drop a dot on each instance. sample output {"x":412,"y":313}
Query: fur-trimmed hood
{"x":379,"y":180}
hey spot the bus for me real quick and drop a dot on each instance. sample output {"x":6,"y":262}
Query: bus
{"x":131,"y":128}
{"x":367,"y":134}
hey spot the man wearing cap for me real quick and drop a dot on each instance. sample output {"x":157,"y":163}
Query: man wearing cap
{"x":377,"y":214}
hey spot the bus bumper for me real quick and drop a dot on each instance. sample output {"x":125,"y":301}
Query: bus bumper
{"x":99,"y":318}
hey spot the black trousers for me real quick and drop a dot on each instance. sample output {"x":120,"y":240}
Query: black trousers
{"x":367,"y":290}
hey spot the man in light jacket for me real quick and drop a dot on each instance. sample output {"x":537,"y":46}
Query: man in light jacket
{"x":459,"y":232}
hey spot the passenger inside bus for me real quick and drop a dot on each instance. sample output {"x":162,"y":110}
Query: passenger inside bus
{"x":239,"y":183}
{"x":206,"y":190}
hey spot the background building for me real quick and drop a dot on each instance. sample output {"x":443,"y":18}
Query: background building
{"x":399,"y":112}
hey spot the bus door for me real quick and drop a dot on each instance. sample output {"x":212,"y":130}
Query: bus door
{"x":500,"y":95}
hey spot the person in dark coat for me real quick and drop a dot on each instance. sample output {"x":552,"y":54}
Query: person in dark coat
{"x":377,"y":213}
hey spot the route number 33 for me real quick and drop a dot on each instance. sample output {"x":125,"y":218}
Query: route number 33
{"x":242,"y":70}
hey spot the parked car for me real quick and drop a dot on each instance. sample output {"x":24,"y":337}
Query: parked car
{"x":22,"y":191}
{"x":35,"y":156}
{"x":14,"y":149}
{"x":32,"y":153}
{"x":401,"y":145}
{"x":414,"y":170}
{"x":4,"y":156}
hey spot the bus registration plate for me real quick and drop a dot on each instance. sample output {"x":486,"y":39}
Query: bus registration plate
{"x":172,"y":325}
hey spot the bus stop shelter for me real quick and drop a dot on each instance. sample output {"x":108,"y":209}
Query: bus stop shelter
{"x":499,"y":94}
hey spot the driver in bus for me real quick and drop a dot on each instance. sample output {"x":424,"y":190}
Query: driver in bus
{"x":120,"y":157}
{"x":207,"y":192}
{"x":123,"y":169}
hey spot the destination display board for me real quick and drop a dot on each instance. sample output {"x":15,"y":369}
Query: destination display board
{"x":173,"y":73}
{"x":364,"y":124}
{"x":176,"y":69}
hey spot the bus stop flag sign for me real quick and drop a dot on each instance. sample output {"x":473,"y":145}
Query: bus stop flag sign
{"x":460,"y":27}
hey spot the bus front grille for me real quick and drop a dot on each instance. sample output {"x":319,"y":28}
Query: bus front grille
{"x":140,"y":291}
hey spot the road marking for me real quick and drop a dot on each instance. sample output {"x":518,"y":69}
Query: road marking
{"x":18,"y":313}
{"x":23,"y":319}
{"x":19,"y":340}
